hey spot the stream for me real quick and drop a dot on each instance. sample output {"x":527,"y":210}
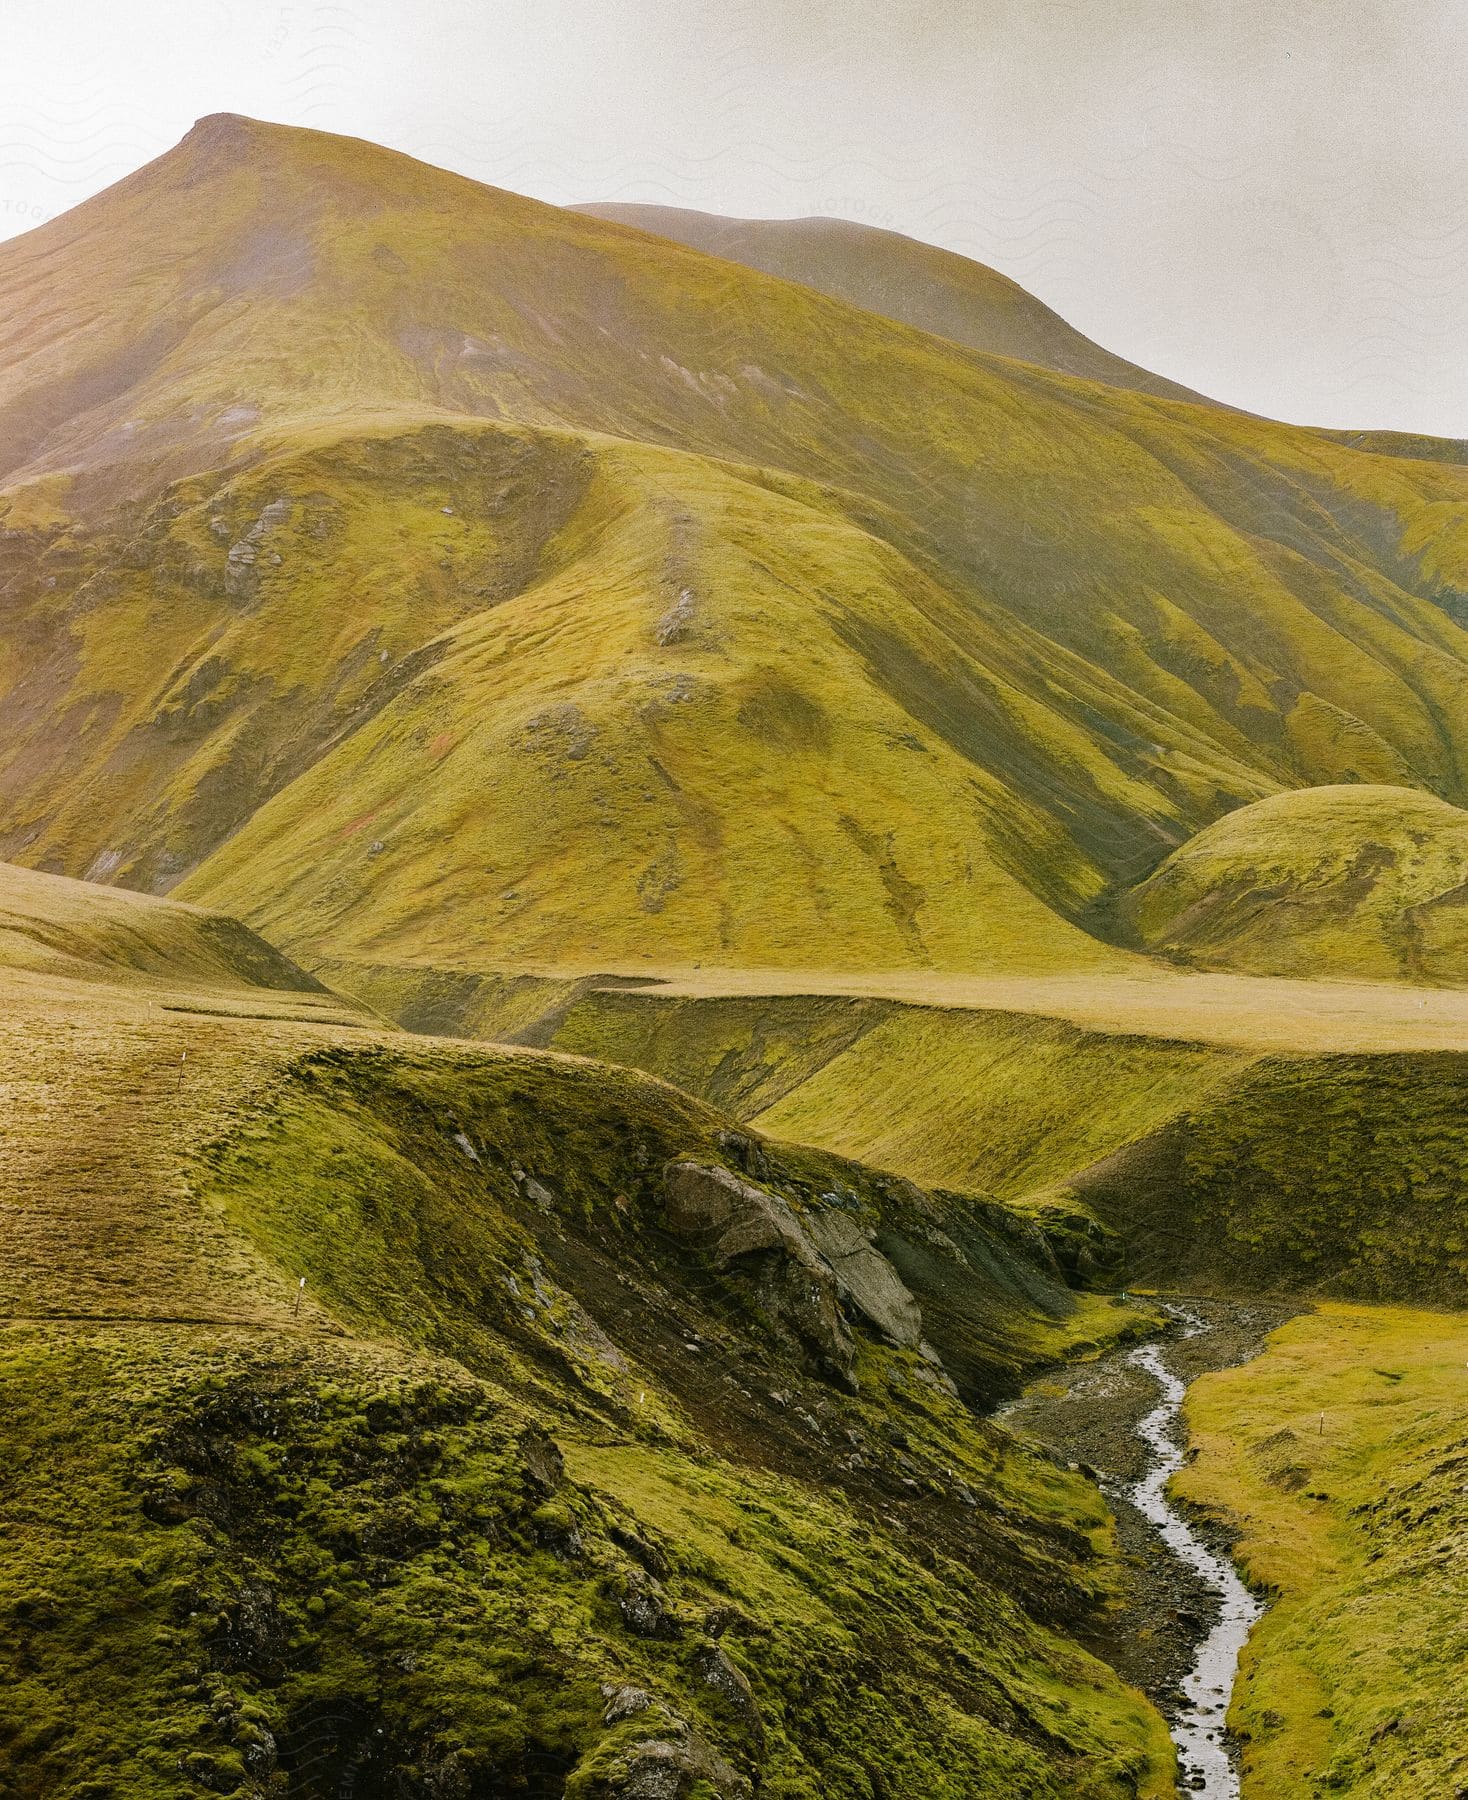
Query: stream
{"x":1186,"y":1612}
{"x":1205,"y":1758}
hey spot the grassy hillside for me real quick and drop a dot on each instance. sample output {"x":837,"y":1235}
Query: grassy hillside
{"x":546,"y":1481}
{"x":901,"y":278}
{"x":1360,"y":881}
{"x":1339,"y":1456}
{"x":425,"y":573}
{"x":51,"y":925}
{"x":503,"y":609}
{"x":997,"y":1101}
{"x":1217,"y":1130}
{"x":1336,"y":1174}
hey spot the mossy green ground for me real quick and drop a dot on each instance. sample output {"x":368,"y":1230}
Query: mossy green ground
{"x":516,"y":1450}
{"x":249,"y":1566}
{"x":1339,"y":1456}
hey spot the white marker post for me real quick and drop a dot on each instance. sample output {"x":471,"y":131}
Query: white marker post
{"x":300,"y":1289}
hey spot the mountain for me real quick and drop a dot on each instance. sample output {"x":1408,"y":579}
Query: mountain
{"x":423,"y":573}
{"x":782,"y":723}
{"x":901,"y":278}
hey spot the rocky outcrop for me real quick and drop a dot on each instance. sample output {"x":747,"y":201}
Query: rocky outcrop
{"x":818,"y":1266}
{"x":865,"y":1279}
{"x":716,"y":1669}
{"x":241,"y":568}
{"x":672,"y":1768}
{"x":734,"y":1221}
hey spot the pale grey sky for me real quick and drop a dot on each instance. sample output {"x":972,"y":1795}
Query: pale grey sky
{"x":1266,"y":202}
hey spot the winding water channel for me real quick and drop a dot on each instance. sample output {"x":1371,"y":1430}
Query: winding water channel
{"x":1207,"y":1763}
{"x":1188,"y":1613}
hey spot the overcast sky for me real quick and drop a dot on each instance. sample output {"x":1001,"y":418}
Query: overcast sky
{"x":1267,"y":202}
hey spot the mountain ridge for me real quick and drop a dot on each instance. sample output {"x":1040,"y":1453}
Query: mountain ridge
{"x":902,"y":278}
{"x":427,"y":491}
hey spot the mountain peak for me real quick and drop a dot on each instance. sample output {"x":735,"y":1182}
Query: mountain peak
{"x":211,"y":127}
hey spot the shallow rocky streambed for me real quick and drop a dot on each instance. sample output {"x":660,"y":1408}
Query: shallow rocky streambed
{"x":1187,"y":1613}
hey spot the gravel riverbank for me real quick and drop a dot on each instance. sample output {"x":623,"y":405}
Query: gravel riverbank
{"x":1093,"y":1414}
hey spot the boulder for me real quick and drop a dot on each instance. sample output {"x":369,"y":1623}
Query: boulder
{"x":718,"y":1670}
{"x":731,"y":1217}
{"x":865,"y":1279}
{"x":672,"y":1768}
{"x":623,"y":1702}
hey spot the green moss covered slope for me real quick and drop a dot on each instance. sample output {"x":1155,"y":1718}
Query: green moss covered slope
{"x":435,"y":1420}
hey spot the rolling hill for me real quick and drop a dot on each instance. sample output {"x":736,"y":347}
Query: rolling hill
{"x":423,"y":573}
{"x":1342,"y":881}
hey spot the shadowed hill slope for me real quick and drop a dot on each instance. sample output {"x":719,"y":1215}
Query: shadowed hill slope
{"x":425,"y":573}
{"x":1343,"y":881}
{"x":902,"y":278}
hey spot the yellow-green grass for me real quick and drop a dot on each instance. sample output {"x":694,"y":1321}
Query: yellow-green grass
{"x":901,"y":278}
{"x":1157,"y":1001}
{"x":558,"y":782}
{"x":1338,"y":1456}
{"x":50,"y":925}
{"x":998,"y":1101}
{"x":644,"y":608}
{"x":1358,"y":880}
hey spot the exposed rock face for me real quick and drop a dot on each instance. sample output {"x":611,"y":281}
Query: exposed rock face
{"x":729,"y":1681}
{"x":735,"y":1221}
{"x":644,"y":1614}
{"x":241,"y":575}
{"x":670,"y":1768}
{"x":865,"y":1279}
{"x":733,"y":1216}
{"x":811,"y":1264}
{"x":624,"y":1702}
